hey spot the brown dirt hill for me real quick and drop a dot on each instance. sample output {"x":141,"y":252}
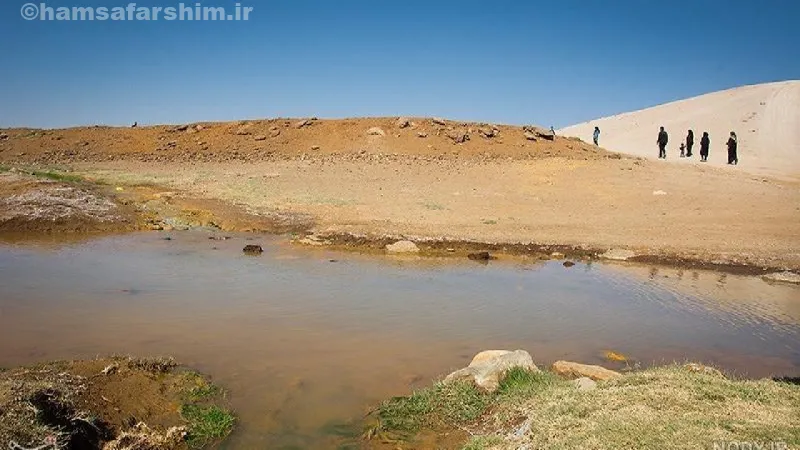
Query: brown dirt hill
{"x":289,"y":138}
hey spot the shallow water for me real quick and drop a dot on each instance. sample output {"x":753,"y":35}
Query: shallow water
{"x":303,"y":343}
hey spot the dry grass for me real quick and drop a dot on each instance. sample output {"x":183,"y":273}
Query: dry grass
{"x":667,"y":407}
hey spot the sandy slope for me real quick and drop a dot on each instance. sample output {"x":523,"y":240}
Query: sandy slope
{"x":764,"y":116}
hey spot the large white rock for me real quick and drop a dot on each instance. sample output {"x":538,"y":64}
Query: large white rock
{"x":488,"y":368}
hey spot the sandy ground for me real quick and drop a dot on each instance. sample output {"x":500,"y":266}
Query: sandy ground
{"x":704,"y":213}
{"x":765,"y":118}
{"x":442,"y":180}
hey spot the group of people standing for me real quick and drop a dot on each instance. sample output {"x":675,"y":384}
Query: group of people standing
{"x":686,"y":147}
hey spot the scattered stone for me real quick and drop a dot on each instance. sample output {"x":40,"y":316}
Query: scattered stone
{"x":403,"y":123}
{"x":243,"y":131}
{"x":180,"y":128}
{"x":198,"y":127}
{"x":376,"y":131}
{"x":315,"y":147}
{"x":556,"y":255}
{"x":402,"y":247}
{"x":480,"y":256}
{"x":488,"y":368}
{"x":422,"y":134}
{"x":699,"y":368}
{"x":547,"y":135}
{"x":659,"y":193}
{"x":457,"y":136}
{"x":3,"y":136}
{"x":302,"y":123}
{"x":783,"y":277}
{"x":252,"y":250}
{"x":489,"y":132}
{"x":530,"y":136}
{"x":574,"y":370}
{"x":260,"y":137}
{"x":617,"y":254}
{"x":568,"y":264}
{"x":585,"y":384}
{"x":438,"y":121}
{"x":275,"y":133}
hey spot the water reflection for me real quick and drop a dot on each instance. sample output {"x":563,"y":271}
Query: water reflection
{"x":303,"y":342}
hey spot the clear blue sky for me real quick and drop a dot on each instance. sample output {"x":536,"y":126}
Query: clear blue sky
{"x":546,"y":62}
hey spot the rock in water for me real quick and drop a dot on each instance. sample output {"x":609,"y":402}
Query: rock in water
{"x":480,"y":256}
{"x":617,"y":254}
{"x":574,"y":370}
{"x":252,"y":250}
{"x":488,"y":368}
{"x":402,"y":247}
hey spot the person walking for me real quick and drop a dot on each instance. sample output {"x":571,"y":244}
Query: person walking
{"x":705,"y":143}
{"x":733,"y":157}
{"x":683,"y":150}
{"x":662,"y":140}
{"x":596,"y":135}
{"x":689,"y":143}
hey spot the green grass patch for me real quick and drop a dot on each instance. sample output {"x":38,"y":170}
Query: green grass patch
{"x":666,"y":407}
{"x":57,"y":176}
{"x":483,"y":442}
{"x":198,"y":388}
{"x":520,"y":383}
{"x":441,"y":405}
{"x":207,"y":424}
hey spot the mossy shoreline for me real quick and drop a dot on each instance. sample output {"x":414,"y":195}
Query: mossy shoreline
{"x":673,"y":407}
{"x":116,"y":403}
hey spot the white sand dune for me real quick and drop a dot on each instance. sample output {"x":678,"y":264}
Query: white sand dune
{"x":765,"y":117}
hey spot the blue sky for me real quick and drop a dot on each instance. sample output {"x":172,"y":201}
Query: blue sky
{"x":549,"y":63}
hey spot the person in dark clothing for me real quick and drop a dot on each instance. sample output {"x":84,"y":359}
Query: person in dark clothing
{"x":689,"y":143}
{"x":683,"y":150}
{"x":596,"y":135}
{"x":733,"y":157}
{"x":662,"y":140}
{"x":705,"y":142}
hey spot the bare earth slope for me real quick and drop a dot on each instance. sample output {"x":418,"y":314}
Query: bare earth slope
{"x":765,"y":117}
{"x":441,"y":180}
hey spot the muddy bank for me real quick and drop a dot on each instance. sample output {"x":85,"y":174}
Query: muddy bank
{"x":55,"y":202}
{"x":111,"y":404}
{"x":377,"y":244}
{"x":46,"y":202}
{"x":51,"y":202}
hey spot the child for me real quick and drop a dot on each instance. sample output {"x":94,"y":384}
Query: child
{"x":683,"y":150}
